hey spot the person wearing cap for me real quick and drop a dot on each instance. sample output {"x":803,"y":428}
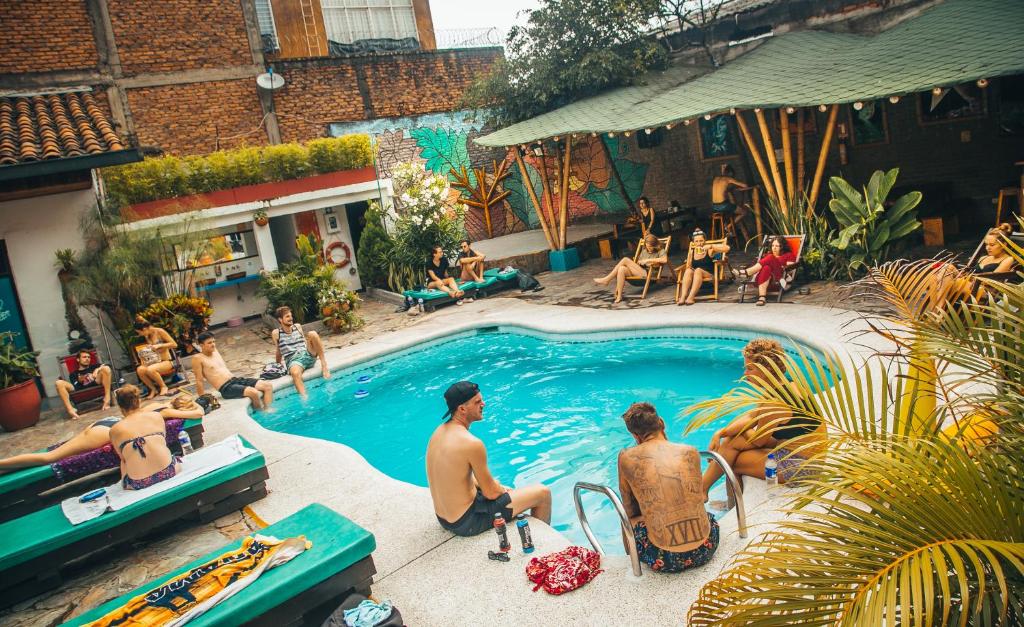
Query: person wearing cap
{"x":466,"y":496}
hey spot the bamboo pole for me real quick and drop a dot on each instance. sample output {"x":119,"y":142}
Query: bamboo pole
{"x":528,"y":184}
{"x":756,"y":194}
{"x":830,"y":127}
{"x":549,"y":202}
{"x":755,"y":153}
{"x":787,"y":154}
{"x":564,"y":209}
{"x":769,"y":149}
{"x":800,"y":151}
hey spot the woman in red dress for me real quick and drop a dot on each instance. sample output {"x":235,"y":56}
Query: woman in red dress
{"x":769,"y":268}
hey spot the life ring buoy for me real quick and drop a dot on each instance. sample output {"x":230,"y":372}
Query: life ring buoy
{"x":329,"y":253}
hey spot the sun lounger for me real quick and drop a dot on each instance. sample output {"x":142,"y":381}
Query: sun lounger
{"x":37,"y":547}
{"x":303,"y":591}
{"x":30,"y":489}
{"x":495,"y":280}
{"x":796,"y":246}
{"x":432,"y":299}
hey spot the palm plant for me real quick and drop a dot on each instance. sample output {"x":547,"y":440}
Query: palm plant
{"x":900,"y":522}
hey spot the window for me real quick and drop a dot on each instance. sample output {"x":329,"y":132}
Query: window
{"x":268,"y":30}
{"x":348,"y":21}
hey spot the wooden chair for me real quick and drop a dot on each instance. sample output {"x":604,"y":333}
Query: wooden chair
{"x":1004,"y":193}
{"x":796,"y":246}
{"x":721,"y":263}
{"x":654,"y":271}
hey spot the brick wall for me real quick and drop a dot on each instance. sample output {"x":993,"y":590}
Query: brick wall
{"x":46,"y":35}
{"x":189,"y":118}
{"x":179,"y":35}
{"x":314,"y":93}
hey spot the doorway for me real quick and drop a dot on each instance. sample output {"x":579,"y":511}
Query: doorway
{"x":356,"y":214}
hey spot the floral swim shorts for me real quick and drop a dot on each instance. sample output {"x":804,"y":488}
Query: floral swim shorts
{"x":669,"y":562}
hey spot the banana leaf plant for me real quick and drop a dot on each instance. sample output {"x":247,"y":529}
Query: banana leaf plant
{"x":867,"y":227}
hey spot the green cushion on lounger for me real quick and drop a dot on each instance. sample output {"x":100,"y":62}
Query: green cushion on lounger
{"x":13,"y":480}
{"x":47,"y":530}
{"x":487,"y":282}
{"x":433,"y":294}
{"x":504,"y":276}
{"x":337,"y":544}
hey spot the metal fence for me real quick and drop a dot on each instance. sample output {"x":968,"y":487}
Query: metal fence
{"x":469,"y":38}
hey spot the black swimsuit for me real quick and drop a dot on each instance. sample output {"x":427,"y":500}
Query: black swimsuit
{"x":705,"y":263}
{"x":796,"y":427}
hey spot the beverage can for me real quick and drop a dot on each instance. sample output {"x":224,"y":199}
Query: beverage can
{"x":525,"y":538}
{"x":499,"y":528}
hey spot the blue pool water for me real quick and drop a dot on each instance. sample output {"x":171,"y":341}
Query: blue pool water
{"x":553,"y":406}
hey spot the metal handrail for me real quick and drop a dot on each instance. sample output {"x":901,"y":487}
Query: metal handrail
{"x":627,"y":530}
{"x":733,"y":489}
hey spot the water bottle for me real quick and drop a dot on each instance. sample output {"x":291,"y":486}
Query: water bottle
{"x":523,"y":526}
{"x":771,"y":478}
{"x":185,"y":442}
{"x":419,"y":304}
{"x":499,"y":527}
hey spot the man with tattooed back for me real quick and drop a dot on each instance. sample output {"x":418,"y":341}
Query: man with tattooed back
{"x":660,"y":484}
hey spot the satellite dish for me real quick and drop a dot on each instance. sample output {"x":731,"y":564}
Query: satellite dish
{"x":270,"y":81}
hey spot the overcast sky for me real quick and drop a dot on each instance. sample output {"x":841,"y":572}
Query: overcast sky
{"x":456,"y":14}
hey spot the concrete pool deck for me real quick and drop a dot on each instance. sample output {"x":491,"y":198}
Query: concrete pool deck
{"x":438,"y":579}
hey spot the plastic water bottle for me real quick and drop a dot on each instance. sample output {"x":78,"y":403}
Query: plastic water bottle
{"x":771,"y":478}
{"x":499,"y":527}
{"x":185,"y":442}
{"x":419,"y":304}
{"x":523,"y":526}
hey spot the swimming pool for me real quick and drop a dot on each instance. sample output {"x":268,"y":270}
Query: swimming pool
{"x":553,"y":405}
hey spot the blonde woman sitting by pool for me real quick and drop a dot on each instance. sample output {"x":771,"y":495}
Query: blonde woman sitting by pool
{"x":700,"y":266}
{"x":437,"y":274}
{"x":652,"y":253}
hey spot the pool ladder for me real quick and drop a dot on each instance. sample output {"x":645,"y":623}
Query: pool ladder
{"x":733,"y":489}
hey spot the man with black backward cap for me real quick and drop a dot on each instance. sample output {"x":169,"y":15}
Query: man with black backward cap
{"x":466,"y":496}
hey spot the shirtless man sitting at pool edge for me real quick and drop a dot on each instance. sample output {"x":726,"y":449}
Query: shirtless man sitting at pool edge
{"x":466,"y":496}
{"x":209,"y":364}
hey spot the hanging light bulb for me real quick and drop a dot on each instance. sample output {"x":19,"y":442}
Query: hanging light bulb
{"x":823,"y":108}
{"x":611,"y":134}
{"x":686,"y":122}
{"x":593,"y":134}
{"x":983,"y":83}
{"x":627,"y":133}
{"x":757,"y":109}
{"x":648,"y":131}
{"x":894,"y":99}
{"x":790,"y":110}
{"x":668,"y":127}
{"x":937,"y":91}
{"x":707,"y":116}
{"x":858,"y":105}
{"x":732,"y":110}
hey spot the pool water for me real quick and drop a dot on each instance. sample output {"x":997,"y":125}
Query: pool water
{"x":553,"y":407}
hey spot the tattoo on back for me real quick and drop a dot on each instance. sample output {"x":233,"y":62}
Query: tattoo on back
{"x":685,"y":530}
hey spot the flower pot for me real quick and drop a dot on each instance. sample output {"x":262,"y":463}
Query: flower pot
{"x":264,"y":221}
{"x":564,"y":260}
{"x":20,"y":405}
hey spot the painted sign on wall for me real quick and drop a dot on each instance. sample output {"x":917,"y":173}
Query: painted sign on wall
{"x":10,"y":319}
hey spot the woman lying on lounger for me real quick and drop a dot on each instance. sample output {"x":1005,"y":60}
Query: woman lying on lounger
{"x":140,"y":440}
{"x":952,"y":283}
{"x":652,"y":253}
{"x":97,"y":434}
{"x":437,"y":274}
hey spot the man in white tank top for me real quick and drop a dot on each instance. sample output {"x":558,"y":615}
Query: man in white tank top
{"x":296,"y":350}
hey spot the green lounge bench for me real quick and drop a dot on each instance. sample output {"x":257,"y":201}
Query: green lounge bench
{"x":30,"y":489}
{"x":495,"y":280}
{"x":37,"y":547}
{"x":304,"y":591}
{"x":432,"y":299}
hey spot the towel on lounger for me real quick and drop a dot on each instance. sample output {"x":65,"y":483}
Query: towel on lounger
{"x":192,"y":594}
{"x":102,"y":458}
{"x":201,"y":462}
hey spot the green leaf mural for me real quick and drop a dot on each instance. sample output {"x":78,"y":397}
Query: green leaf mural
{"x":443,"y":149}
{"x":633,"y":175}
{"x":519,"y":199}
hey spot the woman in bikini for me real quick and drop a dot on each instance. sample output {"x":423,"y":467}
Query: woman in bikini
{"x":652,"y":253}
{"x":769,"y":268}
{"x":700,"y":267}
{"x":951,"y":284}
{"x":97,"y":435}
{"x":140,"y":441}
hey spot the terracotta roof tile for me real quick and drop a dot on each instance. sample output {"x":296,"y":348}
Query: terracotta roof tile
{"x":54,"y":126}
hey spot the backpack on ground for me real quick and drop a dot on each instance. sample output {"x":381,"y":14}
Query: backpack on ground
{"x":526,"y":281}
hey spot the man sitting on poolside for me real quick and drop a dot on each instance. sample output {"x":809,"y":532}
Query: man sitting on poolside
{"x":660,"y":484}
{"x":466,"y":496}
{"x":85,"y":374}
{"x":208,"y":364}
{"x":297,"y":351}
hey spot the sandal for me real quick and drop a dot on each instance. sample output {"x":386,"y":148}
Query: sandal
{"x":739,"y":274}
{"x":761,"y":301}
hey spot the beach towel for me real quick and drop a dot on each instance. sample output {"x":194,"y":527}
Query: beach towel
{"x":190,"y":595}
{"x":201,"y":462}
{"x":564,"y":570}
{"x":102,"y":458}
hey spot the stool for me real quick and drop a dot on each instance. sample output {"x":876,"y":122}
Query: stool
{"x":717,"y":220}
{"x":1004,"y":193}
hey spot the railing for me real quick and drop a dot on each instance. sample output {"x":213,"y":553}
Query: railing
{"x":468,"y":38}
{"x":733,"y":489}
{"x":627,"y":529}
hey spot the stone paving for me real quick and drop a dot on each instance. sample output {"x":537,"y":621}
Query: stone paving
{"x":247,"y":349}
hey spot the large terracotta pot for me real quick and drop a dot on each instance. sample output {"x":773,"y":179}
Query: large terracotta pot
{"x":20,"y":406}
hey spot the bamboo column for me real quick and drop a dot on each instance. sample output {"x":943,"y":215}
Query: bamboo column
{"x":528,"y":184}
{"x":564,"y":199}
{"x":769,"y":150}
{"x":800,"y":151}
{"x":755,"y":152}
{"x":830,"y":127}
{"x":787,"y":154}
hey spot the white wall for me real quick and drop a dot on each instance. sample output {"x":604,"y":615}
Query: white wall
{"x":235,"y":300}
{"x":34,"y":228}
{"x":348,"y":274}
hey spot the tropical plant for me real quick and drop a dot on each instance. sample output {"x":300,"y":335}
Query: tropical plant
{"x":17,"y":365}
{"x":907,"y":516}
{"x":184,"y":317}
{"x":66,"y":261}
{"x":868,"y":229}
{"x":338,"y":307}
{"x":375,"y":246}
{"x":299,"y":284}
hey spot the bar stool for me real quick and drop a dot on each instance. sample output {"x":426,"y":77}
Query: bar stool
{"x":1004,"y":193}
{"x":722,"y":227}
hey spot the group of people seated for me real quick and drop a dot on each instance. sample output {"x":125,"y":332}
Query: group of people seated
{"x":471,"y":268}
{"x":660,"y":482}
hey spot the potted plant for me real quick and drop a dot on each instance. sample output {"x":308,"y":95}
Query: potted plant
{"x":19,"y":396}
{"x":260,"y":217}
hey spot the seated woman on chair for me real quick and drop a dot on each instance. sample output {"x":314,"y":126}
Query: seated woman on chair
{"x":769,"y":268}
{"x":952,"y":285}
{"x":700,"y":266}
{"x":437,"y":274}
{"x":97,"y":435}
{"x":652,"y":253}
{"x":140,"y":440}
{"x":155,"y":356}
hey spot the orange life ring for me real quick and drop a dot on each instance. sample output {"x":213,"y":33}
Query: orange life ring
{"x":330,"y":256}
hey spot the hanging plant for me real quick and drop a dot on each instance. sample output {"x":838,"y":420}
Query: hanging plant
{"x":260,"y":217}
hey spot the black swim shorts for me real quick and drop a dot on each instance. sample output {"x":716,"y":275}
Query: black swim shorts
{"x":235,"y":387}
{"x":480,"y":515}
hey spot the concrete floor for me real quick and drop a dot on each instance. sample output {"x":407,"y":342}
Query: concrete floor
{"x":527,"y":242}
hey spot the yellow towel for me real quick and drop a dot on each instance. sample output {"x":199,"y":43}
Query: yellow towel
{"x":196,"y":591}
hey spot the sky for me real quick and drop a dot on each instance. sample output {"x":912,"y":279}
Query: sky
{"x":456,"y":14}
